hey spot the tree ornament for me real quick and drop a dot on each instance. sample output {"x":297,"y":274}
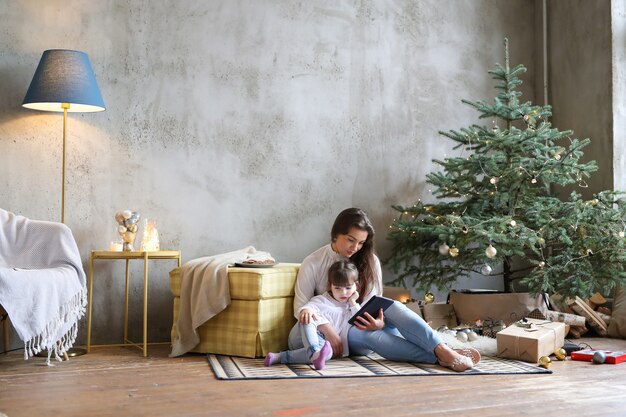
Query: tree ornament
{"x":599,"y":357}
{"x":472,"y":335}
{"x":542,"y":264}
{"x":461,"y":336}
{"x":534,"y":181}
{"x":491,"y":252}
{"x":454,"y":252}
{"x":486,"y":269}
{"x":513,"y":223}
{"x":621,"y":234}
{"x":545,"y":362}
{"x":560,"y":354}
{"x":429,"y":298}
{"x":444,"y":249}
{"x":493,"y":180}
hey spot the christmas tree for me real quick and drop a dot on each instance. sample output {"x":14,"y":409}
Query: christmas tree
{"x":499,"y":211}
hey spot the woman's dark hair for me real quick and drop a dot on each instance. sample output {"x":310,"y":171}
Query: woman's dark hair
{"x":364,"y":258}
{"x":342,"y":274}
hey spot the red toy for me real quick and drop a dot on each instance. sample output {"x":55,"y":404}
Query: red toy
{"x":612,"y":357}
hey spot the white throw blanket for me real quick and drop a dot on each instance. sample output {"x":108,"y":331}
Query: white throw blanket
{"x":42,"y":283}
{"x":204,"y":293}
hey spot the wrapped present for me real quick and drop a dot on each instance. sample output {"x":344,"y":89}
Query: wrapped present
{"x":491,"y":327}
{"x":437,"y":315}
{"x":530,"y":339}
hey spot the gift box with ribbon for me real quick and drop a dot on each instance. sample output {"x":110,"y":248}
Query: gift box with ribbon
{"x":529,"y":339}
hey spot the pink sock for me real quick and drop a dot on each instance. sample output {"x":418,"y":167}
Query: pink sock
{"x":319,"y":358}
{"x":271,"y":359}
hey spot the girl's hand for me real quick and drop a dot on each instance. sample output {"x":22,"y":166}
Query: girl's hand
{"x":368,"y":322}
{"x":306,"y":316}
{"x":353,"y":298}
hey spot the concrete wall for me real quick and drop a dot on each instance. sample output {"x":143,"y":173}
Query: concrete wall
{"x":580,"y":80}
{"x":238,"y":123}
{"x":618,"y":25}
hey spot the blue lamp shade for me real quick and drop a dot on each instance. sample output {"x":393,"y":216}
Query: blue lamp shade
{"x":64,"y":76}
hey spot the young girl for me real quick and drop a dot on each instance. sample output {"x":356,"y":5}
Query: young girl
{"x":399,"y":334}
{"x":334,"y":307}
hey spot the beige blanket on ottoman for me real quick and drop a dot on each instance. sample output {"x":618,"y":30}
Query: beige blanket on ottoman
{"x":205,"y":293}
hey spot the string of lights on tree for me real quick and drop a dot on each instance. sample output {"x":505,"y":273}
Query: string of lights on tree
{"x":500,"y":209}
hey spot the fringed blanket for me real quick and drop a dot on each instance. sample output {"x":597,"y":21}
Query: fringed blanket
{"x":204,"y":293}
{"x":42,"y":283}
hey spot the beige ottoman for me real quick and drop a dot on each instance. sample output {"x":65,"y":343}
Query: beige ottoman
{"x":259,"y":317}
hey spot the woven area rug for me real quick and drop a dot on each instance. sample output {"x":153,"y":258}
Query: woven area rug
{"x":236,"y":368}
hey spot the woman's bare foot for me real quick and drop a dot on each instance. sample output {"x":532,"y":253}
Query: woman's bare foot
{"x":458,"y":360}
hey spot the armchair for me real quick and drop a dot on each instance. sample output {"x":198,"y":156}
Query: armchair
{"x":42,"y":283}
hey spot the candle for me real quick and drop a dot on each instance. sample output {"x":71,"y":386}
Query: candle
{"x":115,"y":247}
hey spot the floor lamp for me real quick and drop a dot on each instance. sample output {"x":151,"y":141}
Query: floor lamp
{"x":64,"y":82}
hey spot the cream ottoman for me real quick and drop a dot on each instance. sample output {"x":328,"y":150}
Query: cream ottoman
{"x":259,"y":317}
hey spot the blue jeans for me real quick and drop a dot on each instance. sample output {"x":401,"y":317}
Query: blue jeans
{"x":310,"y":340}
{"x":405,"y":337}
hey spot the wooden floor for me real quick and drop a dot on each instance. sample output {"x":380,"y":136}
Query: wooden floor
{"x":116,"y":381}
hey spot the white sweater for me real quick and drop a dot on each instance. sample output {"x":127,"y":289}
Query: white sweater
{"x":337,"y":313}
{"x":313,"y":276}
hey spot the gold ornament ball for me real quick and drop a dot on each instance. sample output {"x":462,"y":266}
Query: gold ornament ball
{"x":491,"y":252}
{"x":545,"y":362}
{"x":454,"y":251}
{"x":429,"y":298}
{"x":560,"y":354}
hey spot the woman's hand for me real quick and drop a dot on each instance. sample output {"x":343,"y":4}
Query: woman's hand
{"x":333,"y":338}
{"x":306,"y":316}
{"x":368,"y":322}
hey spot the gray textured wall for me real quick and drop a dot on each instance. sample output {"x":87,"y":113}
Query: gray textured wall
{"x":580,"y":80}
{"x":240,"y":123}
{"x":618,"y":25}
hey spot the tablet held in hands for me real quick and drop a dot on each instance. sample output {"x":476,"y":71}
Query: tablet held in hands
{"x":372,"y":306}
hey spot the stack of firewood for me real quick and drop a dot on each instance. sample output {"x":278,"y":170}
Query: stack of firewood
{"x":593,"y":313}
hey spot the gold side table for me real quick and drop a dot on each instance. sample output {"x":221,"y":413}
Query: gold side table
{"x":146,"y":256}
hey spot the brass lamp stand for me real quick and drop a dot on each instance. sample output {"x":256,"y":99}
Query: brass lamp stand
{"x":64,"y":81}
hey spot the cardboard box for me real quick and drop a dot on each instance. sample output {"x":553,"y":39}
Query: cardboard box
{"x":528,"y":344}
{"x":437,"y":315}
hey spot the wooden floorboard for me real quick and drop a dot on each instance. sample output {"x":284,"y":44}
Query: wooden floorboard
{"x":115,"y":381}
